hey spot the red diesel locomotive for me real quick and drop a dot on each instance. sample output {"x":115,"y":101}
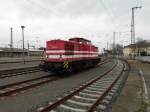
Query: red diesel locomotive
{"x":72,"y":55}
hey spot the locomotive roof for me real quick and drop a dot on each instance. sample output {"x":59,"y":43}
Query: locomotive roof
{"x":80,"y":39}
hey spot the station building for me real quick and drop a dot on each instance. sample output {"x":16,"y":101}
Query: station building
{"x":15,"y":52}
{"x":138,"y":49}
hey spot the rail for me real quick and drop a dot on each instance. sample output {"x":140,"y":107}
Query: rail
{"x":17,"y":87}
{"x":88,"y":96}
{"x":19,"y":71}
{"x":10,"y":89}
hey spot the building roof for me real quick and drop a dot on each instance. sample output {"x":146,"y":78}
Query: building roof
{"x":142,"y":44}
{"x":10,"y":50}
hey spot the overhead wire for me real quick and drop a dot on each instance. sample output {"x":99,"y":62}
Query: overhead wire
{"x":110,"y":13}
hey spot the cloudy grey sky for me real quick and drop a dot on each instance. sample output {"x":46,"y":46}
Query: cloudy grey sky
{"x":52,"y":19}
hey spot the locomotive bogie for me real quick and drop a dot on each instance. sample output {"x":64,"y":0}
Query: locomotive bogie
{"x":59,"y":67}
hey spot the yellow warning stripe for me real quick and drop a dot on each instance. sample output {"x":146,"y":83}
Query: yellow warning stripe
{"x":66,"y":64}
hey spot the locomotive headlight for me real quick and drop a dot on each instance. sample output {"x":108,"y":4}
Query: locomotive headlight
{"x":54,"y":56}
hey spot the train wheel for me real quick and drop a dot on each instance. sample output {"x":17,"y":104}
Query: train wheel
{"x":70,"y":69}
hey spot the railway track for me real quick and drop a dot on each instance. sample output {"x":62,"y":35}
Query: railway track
{"x":20,"y":71}
{"x":92,"y":96}
{"x":17,"y":87}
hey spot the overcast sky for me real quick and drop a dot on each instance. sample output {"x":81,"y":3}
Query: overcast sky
{"x":92,"y":19}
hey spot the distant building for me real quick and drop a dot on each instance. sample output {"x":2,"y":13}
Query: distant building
{"x":15,"y":52}
{"x":128,"y":50}
{"x":148,"y":51}
{"x":8,"y":52}
{"x":108,"y":52}
{"x":36,"y":52}
{"x":140,"y":48}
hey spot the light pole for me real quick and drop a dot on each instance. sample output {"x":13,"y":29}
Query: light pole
{"x":11,"y":41}
{"x":114,"y":45}
{"x":28,"y":48}
{"x":133,"y":27}
{"x":23,"y":54}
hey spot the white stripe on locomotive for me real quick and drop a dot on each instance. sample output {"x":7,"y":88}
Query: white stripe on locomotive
{"x":71,"y":56}
{"x":68,"y":51}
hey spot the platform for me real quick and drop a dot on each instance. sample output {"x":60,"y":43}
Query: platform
{"x":134,"y":98}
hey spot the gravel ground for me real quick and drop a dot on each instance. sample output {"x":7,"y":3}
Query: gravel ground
{"x":19,"y":78}
{"x":9,"y":66}
{"x":32,"y":99}
{"x":131,"y":98}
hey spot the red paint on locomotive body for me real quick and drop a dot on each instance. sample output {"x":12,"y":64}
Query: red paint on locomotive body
{"x":60,"y":54}
{"x":72,"y":50}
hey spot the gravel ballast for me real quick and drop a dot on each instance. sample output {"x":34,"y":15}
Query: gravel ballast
{"x":34,"y":98}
